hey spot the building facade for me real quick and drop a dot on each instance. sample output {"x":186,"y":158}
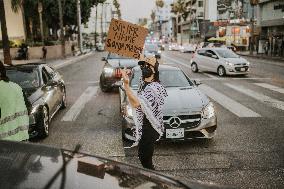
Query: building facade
{"x":271,"y":22}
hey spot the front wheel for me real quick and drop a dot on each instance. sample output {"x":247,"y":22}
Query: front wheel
{"x":221,"y":71}
{"x":64,"y":100}
{"x":44,"y":123}
{"x":194,"y":67}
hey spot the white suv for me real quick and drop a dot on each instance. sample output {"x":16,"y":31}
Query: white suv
{"x":219,"y":60}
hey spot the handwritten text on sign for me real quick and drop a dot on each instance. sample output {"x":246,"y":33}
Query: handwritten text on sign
{"x":125,"y":39}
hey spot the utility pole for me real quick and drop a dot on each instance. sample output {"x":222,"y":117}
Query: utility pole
{"x":204,"y":15}
{"x":61,"y":29}
{"x":79,"y":26}
{"x":252,"y":32}
{"x":96,"y":25}
{"x":102,"y":14}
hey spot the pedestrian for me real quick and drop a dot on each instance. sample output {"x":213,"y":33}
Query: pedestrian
{"x":14,"y":120}
{"x":44,"y":52}
{"x":73,"y":49}
{"x":147,"y":104}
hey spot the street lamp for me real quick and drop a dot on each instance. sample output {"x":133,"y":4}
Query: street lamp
{"x":39,"y":9}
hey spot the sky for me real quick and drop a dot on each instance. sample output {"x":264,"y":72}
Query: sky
{"x":131,"y":10}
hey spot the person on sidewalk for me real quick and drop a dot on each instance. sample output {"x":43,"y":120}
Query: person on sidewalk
{"x":44,"y":52}
{"x":148,"y":104}
{"x":14,"y":120}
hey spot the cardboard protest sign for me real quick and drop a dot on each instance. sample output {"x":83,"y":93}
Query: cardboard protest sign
{"x":125,"y":39}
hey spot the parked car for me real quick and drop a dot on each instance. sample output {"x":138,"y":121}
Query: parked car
{"x":219,"y":60}
{"x":187,"y":48}
{"x":111,"y":70}
{"x":46,"y":93}
{"x":152,"y":49}
{"x":173,"y":47}
{"x":26,"y":165}
{"x":188,"y":113}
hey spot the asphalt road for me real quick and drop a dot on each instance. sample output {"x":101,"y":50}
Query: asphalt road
{"x":248,"y":151}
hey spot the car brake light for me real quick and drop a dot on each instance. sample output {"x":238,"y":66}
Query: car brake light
{"x":193,"y":55}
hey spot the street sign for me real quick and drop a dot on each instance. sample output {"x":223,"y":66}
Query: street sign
{"x":125,"y":39}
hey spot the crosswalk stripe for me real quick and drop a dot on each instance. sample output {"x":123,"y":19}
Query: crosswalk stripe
{"x":228,"y":103}
{"x":80,"y":103}
{"x":211,"y":76}
{"x":258,"y":96}
{"x":270,"y":87}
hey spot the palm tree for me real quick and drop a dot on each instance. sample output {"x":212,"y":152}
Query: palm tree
{"x":160,"y":3}
{"x":179,"y":8}
{"x":117,"y":6}
{"x":153,"y":17}
{"x":16,"y":5}
{"x":5,"y":38}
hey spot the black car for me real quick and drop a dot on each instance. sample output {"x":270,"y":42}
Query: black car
{"x":45,"y":91}
{"x":111,"y":71}
{"x":26,"y":165}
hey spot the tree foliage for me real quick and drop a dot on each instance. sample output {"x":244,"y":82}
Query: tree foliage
{"x":117,"y":7}
{"x":160,"y":3}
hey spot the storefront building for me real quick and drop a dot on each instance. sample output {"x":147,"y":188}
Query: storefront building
{"x":271,"y":21}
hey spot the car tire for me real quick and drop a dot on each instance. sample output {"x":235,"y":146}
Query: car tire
{"x":221,"y":71}
{"x":43,"y":122}
{"x":64,"y":100}
{"x":194,"y":67}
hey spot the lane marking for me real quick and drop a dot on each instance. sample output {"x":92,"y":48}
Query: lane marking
{"x":211,"y":76}
{"x":177,"y":61}
{"x":71,"y":61}
{"x":258,"y":96}
{"x":270,"y":87}
{"x":80,"y":103}
{"x":228,"y":103}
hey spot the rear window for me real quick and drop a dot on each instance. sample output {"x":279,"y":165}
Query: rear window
{"x":27,"y":78}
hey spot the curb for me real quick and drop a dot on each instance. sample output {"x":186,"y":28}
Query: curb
{"x":71,"y":61}
{"x":263,"y":57}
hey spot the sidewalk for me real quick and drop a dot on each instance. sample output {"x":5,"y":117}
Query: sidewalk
{"x":261,"y":56}
{"x":56,"y":63}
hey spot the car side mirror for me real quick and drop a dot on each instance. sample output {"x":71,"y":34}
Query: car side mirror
{"x":119,"y":84}
{"x":103,"y":58}
{"x":197,"y":82}
{"x":51,"y":83}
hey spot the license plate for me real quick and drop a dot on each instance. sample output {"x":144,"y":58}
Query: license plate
{"x":175,"y":133}
{"x":243,"y":69}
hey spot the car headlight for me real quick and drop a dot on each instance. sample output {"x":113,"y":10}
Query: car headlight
{"x":108,"y":71}
{"x":230,"y":64}
{"x":248,"y":63}
{"x":159,"y":52}
{"x":208,"y":111}
{"x":129,"y":111}
{"x":34,"y":109}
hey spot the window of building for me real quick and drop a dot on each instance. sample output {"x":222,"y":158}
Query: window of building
{"x":200,"y":3}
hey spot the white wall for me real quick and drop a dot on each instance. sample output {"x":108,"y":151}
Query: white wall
{"x":211,"y":10}
{"x":14,"y":22}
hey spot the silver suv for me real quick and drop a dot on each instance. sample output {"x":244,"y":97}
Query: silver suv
{"x":219,"y":60}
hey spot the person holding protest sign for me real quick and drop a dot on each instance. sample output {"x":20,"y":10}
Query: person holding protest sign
{"x":148,"y":104}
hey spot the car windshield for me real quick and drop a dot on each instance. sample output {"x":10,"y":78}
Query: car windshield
{"x":168,"y":78}
{"x":26,"y":78}
{"x":227,"y":54}
{"x":151,"y":48}
{"x":116,"y":56}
